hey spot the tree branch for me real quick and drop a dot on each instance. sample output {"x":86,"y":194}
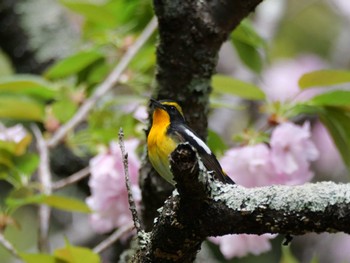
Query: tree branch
{"x":204,"y":207}
{"x":46,"y":181}
{"x":114,"y":237}
{"x":105,"y":86}
{"x":295,"y":210}
{"x":76,"y":177}
{"x":132,"y":205}
{"x":9,"y":247}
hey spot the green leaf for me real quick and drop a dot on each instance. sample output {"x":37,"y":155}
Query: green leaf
{"x":66,"y":203}
{"x":249,"y":55}
{"x":144,"y":60}
{"x":338,"y":124}
{"x":37,"y":258}
{"x":18,"y":148}
{"x":75,"y":254}
{"x":21,"y":192}
{"x":28,"y":85}
{"x":59,"y":202}
{"x":21,"y":108}
{"x":96,"y":13}
{"x":245,"y":33}
{"x":314,"y":259}
{"x":217,"y":102}
{"x":5,"y":160}
{"x":247,"y":43}
{"x":322,"y":78}
{"x":98,"y":73}
{"x":64,"y":109}
{"x":334,"y":98}
{"x":216,"y":143}
{"x":303,"y":108}
{"x":287,"y":256}
{"x":27,"y":163}
{"x":68,"y":254}
{"x":5,"y":65}
{"x":72,"y":64}
{"x":22,"y":196}
{"x":224,"y":84}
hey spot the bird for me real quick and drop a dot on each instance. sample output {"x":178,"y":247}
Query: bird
{"x":168,"y":130}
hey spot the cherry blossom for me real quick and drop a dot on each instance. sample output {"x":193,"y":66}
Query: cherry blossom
{"x":108,"y":198}
{"x":141,"y":113}
{"x":291,"y":153}
{"x":249,"y":166}
{"x":240,"y":245}
{"x":286,"y":161}
{"x":329,"y":162}
{"x":343,"y":7}
{"x":280,"y":81}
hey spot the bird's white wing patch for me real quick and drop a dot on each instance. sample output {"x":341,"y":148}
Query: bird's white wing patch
{"x":198,"y":140}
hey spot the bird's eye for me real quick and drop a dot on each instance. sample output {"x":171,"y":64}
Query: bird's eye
{"x":172,"y":109}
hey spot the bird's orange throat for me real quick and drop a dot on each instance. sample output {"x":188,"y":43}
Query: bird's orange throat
{"x":161,"y":118}
{"x":160,"y":145}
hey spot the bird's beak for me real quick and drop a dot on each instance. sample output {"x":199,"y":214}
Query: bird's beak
{"x":156,"y":104}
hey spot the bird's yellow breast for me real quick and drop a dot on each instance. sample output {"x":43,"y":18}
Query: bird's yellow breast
{"x":159,"y":145}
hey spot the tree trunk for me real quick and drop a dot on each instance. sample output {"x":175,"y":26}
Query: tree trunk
{"x":190,"y":36}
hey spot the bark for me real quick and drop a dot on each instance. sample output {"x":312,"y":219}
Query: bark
{"x":190,"y":36}
{"x":203,"y":207}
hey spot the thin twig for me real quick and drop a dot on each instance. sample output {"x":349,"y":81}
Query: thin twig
{"x":114,"y":237}
{"x":105,"y":86}
{"x":46,"y":181}
{"x":128,"y":185}
{"x":71,"y":179}
{"x":9,"y":247}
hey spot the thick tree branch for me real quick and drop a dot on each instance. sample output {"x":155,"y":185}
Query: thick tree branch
{"x":295,"y":210}
{"x":204,"y":207}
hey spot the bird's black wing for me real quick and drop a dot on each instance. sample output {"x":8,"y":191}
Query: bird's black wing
{"x":185,"y":134}
{"x":212,"y":164}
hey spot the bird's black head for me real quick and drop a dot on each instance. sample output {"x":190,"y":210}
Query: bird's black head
{"x":172,"y":108}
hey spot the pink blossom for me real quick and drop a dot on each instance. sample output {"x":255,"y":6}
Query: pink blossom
{"x":141,"y":113}
{"x":138,"y":110}
{"x":280,"y":81}
{"x":292,"y":151}
{"x":338,"y":251}
{"x":329,"y":162}
{"x":243,"y":244}
{"x":108,"y":197}
{"x":287,"y":161}
{"x":249,"y":166}
{"x":343,"y":7}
